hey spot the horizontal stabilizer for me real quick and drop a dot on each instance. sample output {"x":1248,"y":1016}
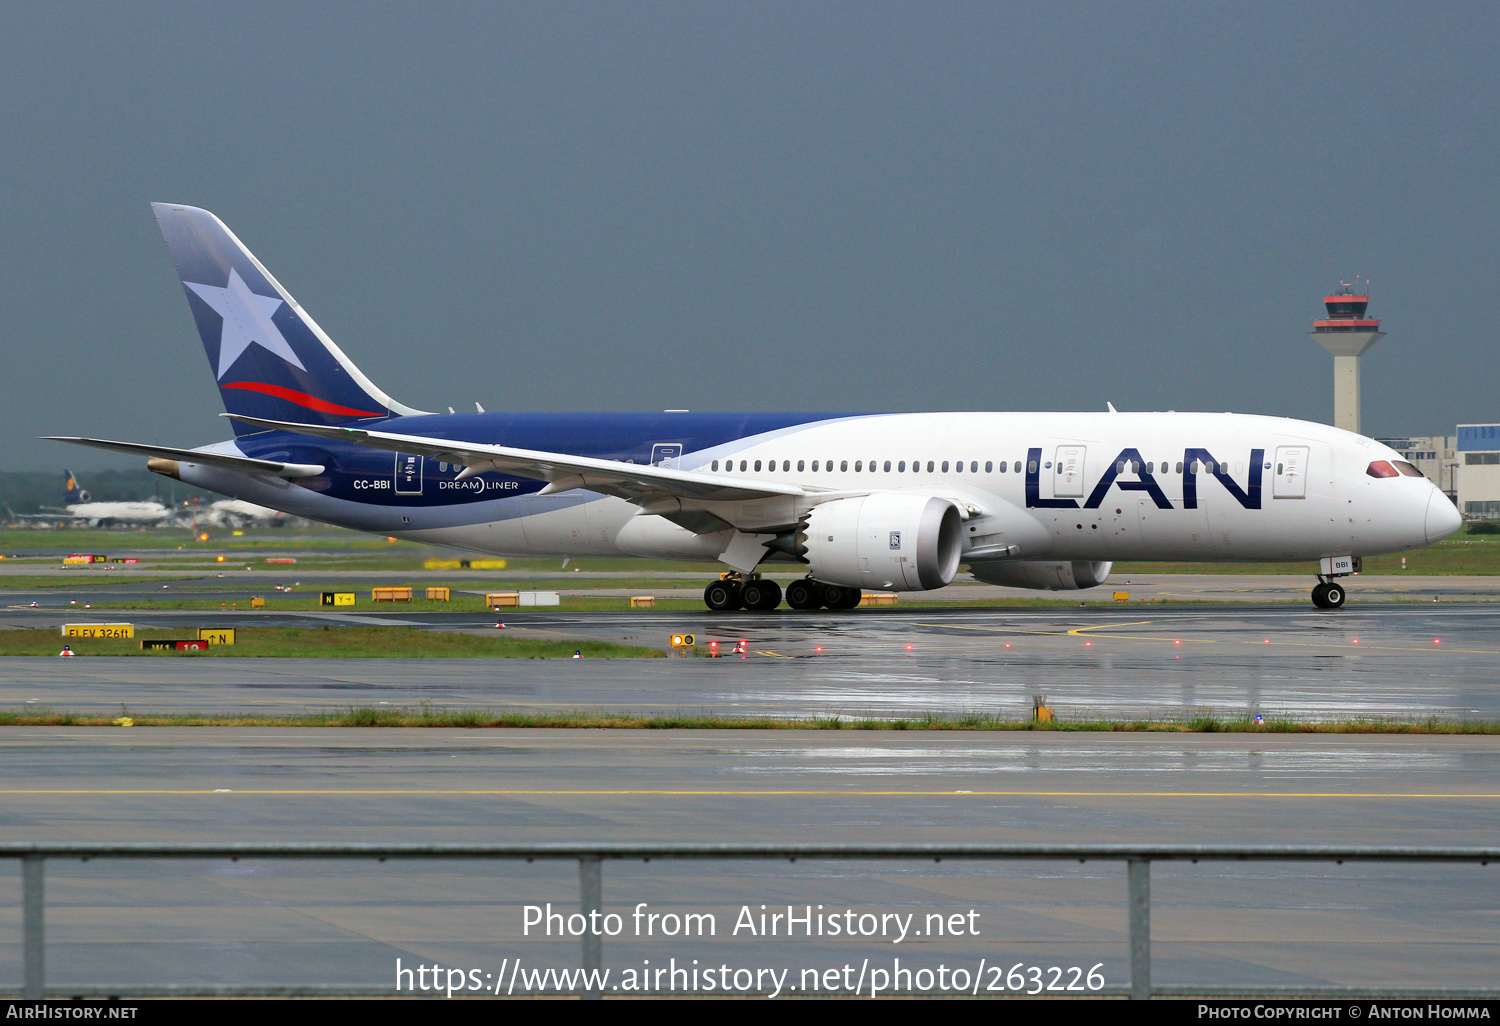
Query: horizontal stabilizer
{"x":208,"y":459}
{"x":632,"y":481}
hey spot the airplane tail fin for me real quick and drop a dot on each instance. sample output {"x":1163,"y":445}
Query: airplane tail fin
{"x":270,"y":359}
{"x":71,"y":492}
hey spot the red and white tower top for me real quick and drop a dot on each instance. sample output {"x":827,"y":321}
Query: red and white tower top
{"x":1346,"y":309}
{"x":1346,"y":334}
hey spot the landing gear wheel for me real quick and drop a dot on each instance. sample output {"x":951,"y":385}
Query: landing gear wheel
{"x":722,"y":596}
{"x":803,"y":594}
{"x":1328,"y":595}
{"x":836,"y":596}
{"x":762,"y":595}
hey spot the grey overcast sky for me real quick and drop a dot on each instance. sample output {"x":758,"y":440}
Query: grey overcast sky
{"x":805,"y":206}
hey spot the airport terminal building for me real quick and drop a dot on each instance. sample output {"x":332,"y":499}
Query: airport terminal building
{"x":1478,"y":469}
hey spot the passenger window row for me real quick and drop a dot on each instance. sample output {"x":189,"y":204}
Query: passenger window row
{"x":873,"y":466}
{"x":957,"y":466}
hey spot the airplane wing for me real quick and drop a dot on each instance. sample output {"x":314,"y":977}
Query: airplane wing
{"x":634,"y":481}
{"x":209,"y":459}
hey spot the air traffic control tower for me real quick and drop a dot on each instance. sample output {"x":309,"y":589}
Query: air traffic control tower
{"x":1347,"y":334}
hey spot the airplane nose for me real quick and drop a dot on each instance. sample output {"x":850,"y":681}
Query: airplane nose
{"x":1442,"y":517}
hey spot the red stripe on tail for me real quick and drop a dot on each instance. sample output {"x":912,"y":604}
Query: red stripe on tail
{"x":301,"y":399}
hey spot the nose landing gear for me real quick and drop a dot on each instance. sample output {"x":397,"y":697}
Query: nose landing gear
{"x":1328,"y":595}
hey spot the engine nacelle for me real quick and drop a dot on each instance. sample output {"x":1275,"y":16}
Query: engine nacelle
{"x":889,"y":541}
{"x":1043,"y":576}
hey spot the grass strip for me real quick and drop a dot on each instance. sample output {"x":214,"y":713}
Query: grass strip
{"x":65,"y":580}
{"x":322,"y":642}
{"x":366,"y":716}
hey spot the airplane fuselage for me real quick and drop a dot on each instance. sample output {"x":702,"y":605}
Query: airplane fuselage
{"x":1090,"y":486}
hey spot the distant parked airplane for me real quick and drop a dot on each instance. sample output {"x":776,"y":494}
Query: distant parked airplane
{"x":103,"y":514}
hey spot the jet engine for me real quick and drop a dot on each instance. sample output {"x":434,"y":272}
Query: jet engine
{"x":891,"y":541}
{"x":1043,"y":576}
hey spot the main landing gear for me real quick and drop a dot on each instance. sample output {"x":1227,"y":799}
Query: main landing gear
{"x":810,"y":594}
{"x":741,"y":591}
{"x":750,"y":591}
{"x":1328,"y":595}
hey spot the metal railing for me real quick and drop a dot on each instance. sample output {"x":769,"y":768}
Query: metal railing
{"x":591,"y":858}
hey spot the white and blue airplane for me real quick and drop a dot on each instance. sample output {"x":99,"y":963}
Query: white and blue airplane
{"x":882,"y":502}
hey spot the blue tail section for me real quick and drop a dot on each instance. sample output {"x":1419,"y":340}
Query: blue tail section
{"x":71,"y":492}
{"x":269,"y":357}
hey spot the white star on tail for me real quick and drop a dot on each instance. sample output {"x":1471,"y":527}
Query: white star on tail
{"x":247,"y":321}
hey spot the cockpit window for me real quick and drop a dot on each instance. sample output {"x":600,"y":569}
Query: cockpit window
{"x":1407,"y":468}
{"x":1380,"y":468}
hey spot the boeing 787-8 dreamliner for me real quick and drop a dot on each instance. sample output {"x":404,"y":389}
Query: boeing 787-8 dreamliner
{"x":866,"y":502}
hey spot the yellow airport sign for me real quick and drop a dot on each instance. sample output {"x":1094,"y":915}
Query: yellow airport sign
{"x":98,"y":630}
{"x":216,"y":635}
{"x":464,"y":564}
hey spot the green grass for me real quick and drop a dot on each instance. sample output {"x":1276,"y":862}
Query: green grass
{"x":426,"y":716}
{"x":327,"y":642}
{"x":105,"y":540}
{"x":26,"y":581}
{"x":1464,"y":555}
{"x":299,"y":602}
{"x":460,"y":604}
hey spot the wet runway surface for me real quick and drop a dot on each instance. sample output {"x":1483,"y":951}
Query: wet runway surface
{"x":287,"y":923}
{"x":1406,"y":661}
{"x":1242,"y":923}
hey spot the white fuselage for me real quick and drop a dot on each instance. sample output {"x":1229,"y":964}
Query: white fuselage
{"x":1315,"y":498}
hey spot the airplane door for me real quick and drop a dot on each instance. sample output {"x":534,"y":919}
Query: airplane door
{"x":1067,"y":480}
{"x":1289,"y":480}
{"x":667,"y":454}
{"x":408,"y":474}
